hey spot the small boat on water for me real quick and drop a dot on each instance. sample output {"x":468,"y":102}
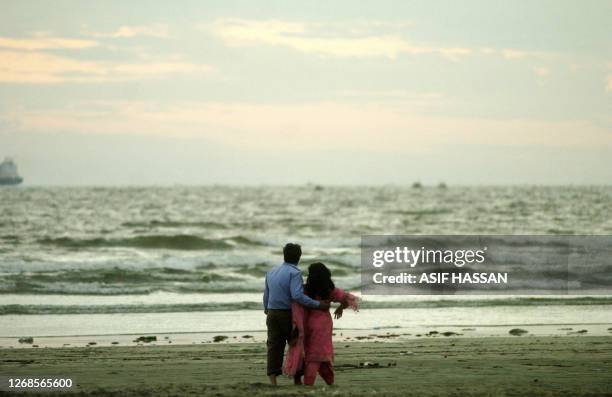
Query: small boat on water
{"x":8,"y":173}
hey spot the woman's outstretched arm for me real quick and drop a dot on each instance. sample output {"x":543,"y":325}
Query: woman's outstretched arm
{"x":345,"y":299}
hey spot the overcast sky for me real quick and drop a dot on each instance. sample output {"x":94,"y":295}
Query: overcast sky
{"x":342,"y":92}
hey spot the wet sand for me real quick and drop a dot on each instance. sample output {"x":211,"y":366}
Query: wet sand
{"x":59,"y":330}
{"x":494,"y":366}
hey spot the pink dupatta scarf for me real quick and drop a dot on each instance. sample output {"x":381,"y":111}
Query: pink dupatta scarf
{"x":294,"y":359}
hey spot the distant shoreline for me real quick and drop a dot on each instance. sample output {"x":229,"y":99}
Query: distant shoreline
{"x":407,"y":185}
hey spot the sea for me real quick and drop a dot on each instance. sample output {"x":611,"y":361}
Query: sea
{"x":82,"y":261}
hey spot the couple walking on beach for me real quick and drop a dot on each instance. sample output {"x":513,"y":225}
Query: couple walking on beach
{"x":298,"y":314}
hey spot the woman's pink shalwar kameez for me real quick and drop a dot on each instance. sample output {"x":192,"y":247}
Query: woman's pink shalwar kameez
{"x":313,"y":350}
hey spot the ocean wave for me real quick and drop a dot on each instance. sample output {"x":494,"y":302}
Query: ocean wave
{"x":247,"y":305}
{"x":96,"y":288}
{"x":422,"y":212}
{"x":171,"y":224}
{"x":126,"y":279}
{"x":116,"y":280}
{"x":242,"y":240}
{"x":173,"y":242}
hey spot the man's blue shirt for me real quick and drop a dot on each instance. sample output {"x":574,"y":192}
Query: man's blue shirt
{"x":284,"y":285}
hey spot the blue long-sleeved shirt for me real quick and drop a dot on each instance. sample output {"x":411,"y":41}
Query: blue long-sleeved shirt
{"x":284,"y":285}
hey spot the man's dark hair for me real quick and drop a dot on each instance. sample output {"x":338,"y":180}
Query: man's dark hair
{"x":292,"y":253}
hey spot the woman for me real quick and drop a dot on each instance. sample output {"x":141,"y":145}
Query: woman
{"x":311,"y":349}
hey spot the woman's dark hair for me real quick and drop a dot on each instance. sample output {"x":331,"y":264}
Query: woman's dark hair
{"x":319,"y":284}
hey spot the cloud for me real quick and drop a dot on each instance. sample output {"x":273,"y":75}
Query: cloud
{"x":45,"y":43}
{"x":418,"y":99}
{"x":309,"y":38}
{"x":512,"y":53}
{"x":540,"y":71}
{"x":516,"y":54}
{"x":312,"y":126}
{"x":157,"y":30}
{"x":43,"y":68}
{"x":157,"y":69}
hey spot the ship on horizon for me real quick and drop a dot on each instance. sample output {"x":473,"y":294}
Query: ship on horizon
{"x":8,"y":173}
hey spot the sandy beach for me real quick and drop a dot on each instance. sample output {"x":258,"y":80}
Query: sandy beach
{"x":527,"y":365}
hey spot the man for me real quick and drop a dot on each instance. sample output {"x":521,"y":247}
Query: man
{"x":283,"y":286}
